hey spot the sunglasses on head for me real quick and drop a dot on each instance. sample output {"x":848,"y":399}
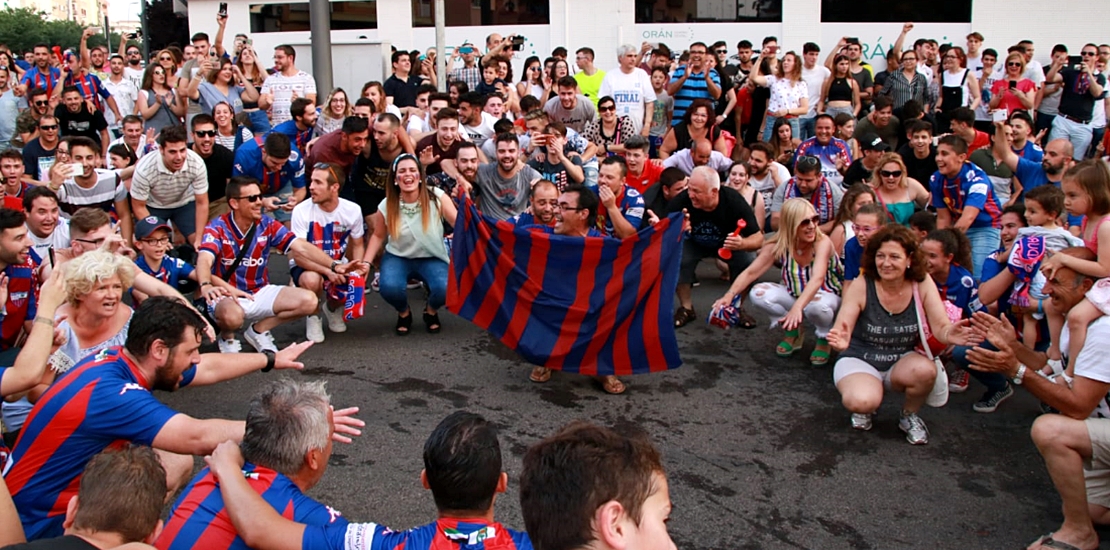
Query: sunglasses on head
{"x":809,"y":161}
{"x":205,"y":133}
{"x":249,"y":198}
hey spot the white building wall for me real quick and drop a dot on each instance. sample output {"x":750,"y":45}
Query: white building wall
{"x":605,"y":24}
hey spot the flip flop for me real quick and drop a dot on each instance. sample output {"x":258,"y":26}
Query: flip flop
{"x":1050,"y":542}
{"x":540,"y":375}
{"x":612,"y":386}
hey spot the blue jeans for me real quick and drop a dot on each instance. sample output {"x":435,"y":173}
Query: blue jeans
{"x":260,"y":123}
{"x":807,"y":127}
{"x":992,"y":380}
{"x":184,"y":217}
{"x":395,"y":273}
{"x":984,"y":240}
{"x":769,"y":127}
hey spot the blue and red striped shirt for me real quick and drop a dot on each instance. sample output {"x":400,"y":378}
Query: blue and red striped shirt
{"x":91,"y":88}
{"x":296,"y":136}
{"x":199,"y":520}
{"x":970,"y":187}
{"x":36,"y":79}
{"x":248,"y":162}
{"x":105,"y":401}
{"x":223,"y":239}
{"x":22,"y":304}
{"x":442,"y":534}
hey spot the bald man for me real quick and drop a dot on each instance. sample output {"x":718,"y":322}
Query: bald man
{"x":702,"y":154}
{"x":1057,"y":159}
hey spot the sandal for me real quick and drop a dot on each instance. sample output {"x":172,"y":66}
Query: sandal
{"x":612,"y":385}
{"x":791,"y":342}
{"x":1048,"y":542}
{"x":746,"y":321}
{"x":431,"y":322}
{"x":403,"y":325}
{"x":820,"y":355}
{"x":540,"y":375}
{"x":683,"y":316}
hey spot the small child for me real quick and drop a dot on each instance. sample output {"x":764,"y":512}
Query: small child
{"x":153,"y":239}
{"x":664,"y":109}
{"x":868,"y":220}
{"x":488,"y":85}
{"x":1042,"y":237}
{"x":1087,"y":188}
{"x":923,"y":223}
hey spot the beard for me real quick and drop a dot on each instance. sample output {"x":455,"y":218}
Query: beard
{"x":165,"y":379}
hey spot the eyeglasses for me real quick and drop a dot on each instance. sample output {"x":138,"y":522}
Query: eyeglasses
{"x":159,"y":73}
{"x":816,"y":220}
{"x":607,"y":108}
{"x":891,"y":173}
{"x":157,"y":242}
{"x":565,"y":207}
{"x":1013,"y":63}
{"x":864,"y":228}
{"x":249,"y":198}
{"x":49,"y":127}
{"x":92,"y":242}
{"x":205,"y":133}
{"x":909,"y":59}
{"x":697,"y":52}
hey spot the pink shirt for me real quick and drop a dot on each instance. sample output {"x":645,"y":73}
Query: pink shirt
{"x":1009,"y":102}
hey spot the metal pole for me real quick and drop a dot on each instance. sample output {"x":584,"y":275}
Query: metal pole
{"x":320,"y":20}
{"x":144,"y":40}
{"x":441,"y":41}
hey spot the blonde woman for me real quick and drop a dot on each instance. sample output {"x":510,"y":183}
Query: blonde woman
{"x":900,"y":194}
{"x":789,"y":93}
{"x":332,"y":112}
{"x":812,"y":276}
{"x":1013,"y":92}
{"x":96,"y":317}
{"x":409,"y":226}
{"x":252,"y":70}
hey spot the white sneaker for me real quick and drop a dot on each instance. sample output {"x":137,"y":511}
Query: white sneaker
{"x":261,"y":341}
{"x":314,"y":329}
{"x":335,"y":318}
{"x":375,"y":285}
{"x":231,"y":345}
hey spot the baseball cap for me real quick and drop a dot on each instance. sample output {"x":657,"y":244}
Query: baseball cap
{"x":872,"y":142}
{"x":149,"y":225}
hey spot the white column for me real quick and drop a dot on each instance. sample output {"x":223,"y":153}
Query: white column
{"x":395,"y":24}
{"x":801,"y":23}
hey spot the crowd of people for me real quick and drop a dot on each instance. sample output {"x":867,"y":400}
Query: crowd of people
{"x":966,"y":188}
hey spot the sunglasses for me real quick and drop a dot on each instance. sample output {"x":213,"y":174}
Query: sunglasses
{"x":133,"y":52}
{"x":809,"y":161}
{"x":49,"y":127}
{"x":1088,"y":54}
{"x":607,"y":108}
{"x":249,"y":198}
{"x":891,"y":173}
{"x":721,"y":51}
{"x":697,"y":52}
{"x":205,"y":133}
{"x":816,"y":220}
{"x":1013,"y":64}
{"x":165,"y":59}
{"x":41,"y":103}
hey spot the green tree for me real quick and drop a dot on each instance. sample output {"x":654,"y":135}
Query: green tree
{"x":22,"y":28}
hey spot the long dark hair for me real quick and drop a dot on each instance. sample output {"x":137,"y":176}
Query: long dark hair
{"x":953,"y":242}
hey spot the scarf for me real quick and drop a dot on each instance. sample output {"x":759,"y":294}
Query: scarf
{"x":1024,"y":263}
{"x":822,"y":199}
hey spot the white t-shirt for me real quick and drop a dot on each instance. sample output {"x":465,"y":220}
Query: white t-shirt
{"x":419,"y":124}
{"x":976,"y":64}
{"x":1035,"y":72}
{"x":126,"y":93}
{"x":482,"y":132}
{"x":134,"y":75}
{"x":925,"y":70}
{"x":282,"y":88}
{"x":1091,"y":362}
{"x":815,"y":79}
{"x":631,"y":92}
{"x":57,"y":239}
{"x":328,"y":231}
{"x":766,"y":185}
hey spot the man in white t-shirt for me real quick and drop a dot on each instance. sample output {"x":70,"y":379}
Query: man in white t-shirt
{"x":287,"y":84}
{"x":123,"y":90}
{"x":766,"y":174}
{"x":631,"y":89}
{"x":45,"y":226}
{"x":419,"y":127}
{"x":1075,"y":442}
{"x":335,"y":226}
{"x":975,"y":54}
{"x":476,"y":124}
{"x":134,"y":69}
{"x":814,"y":76}
{"x":1033,"y":69}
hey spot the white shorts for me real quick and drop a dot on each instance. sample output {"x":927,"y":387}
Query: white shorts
{"x":261,"y":307}
{"x":1096,"y":471}
{"x":847,"y":366}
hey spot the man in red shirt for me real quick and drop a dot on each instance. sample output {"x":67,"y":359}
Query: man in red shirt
{"x":642,"y":171}
{"x":963,"y":125}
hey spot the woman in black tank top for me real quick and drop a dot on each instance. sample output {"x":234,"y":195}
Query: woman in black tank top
{"x":877,"y":330}
{"x":841,"y":92}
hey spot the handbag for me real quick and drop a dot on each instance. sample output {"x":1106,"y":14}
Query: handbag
{"x":939,"y":396}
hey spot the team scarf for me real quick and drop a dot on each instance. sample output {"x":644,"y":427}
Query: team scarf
{"x":1024,"y":263}
{"x":822,"y":198}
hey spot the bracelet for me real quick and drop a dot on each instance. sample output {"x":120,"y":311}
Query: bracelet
{"x":45,"y":320}
{"x":206,"y":283}
{"x":271,"y":358}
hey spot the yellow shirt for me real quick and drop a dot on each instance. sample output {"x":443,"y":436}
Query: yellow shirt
{"x":590,"y":84}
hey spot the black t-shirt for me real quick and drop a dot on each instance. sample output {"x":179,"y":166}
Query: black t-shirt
{"x":919,"y":169}
{"x":81,"y":123}
{"x":37,"y":160}
{"x":219,"y":171}
{"x":856,"y":173}
{"x":709,"y":229}
{"x":655,"y":202}
{"x":449,"y":154}
{"x":1077,"y":102}
{"x":403,"y":92}
{"x":68,"y":542}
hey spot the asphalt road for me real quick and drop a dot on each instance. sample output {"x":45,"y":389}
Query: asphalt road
{"x":758,"y":450}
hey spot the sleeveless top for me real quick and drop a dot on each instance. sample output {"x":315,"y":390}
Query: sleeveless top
{"x":795,"y":277}
{"x":71,"y":353}
{"x":684,"y":141}
{"x":840,"y":90}
{"x":898,"y":212}
{"x":955,"y":92}
{"x":1092,"y":243}
{"x":163,"y":117}
{"x":881,"y":337}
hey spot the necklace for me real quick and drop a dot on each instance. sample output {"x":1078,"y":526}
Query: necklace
{"x":410,"y":208}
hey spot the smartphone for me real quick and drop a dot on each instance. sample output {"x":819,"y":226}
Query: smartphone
{"x":853,"y":40}
{"x":77,"y":169}
{"x":466,"y":50}
{"x":97,"y":30}
{"x":1000,"y":115}
{"x":540,"y":140}
{"x":517,"y":43}
{"x":1013,"y":84}
{"x":223,"y":9}
{"x":132,"y":36}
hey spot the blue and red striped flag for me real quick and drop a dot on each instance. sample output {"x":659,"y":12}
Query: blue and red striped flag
{"x":591,"y":305}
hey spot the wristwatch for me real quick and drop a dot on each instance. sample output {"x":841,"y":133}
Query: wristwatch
{"x":334,"y":263}
{"x":271,"y":358}
{"x":1019,"y":376}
